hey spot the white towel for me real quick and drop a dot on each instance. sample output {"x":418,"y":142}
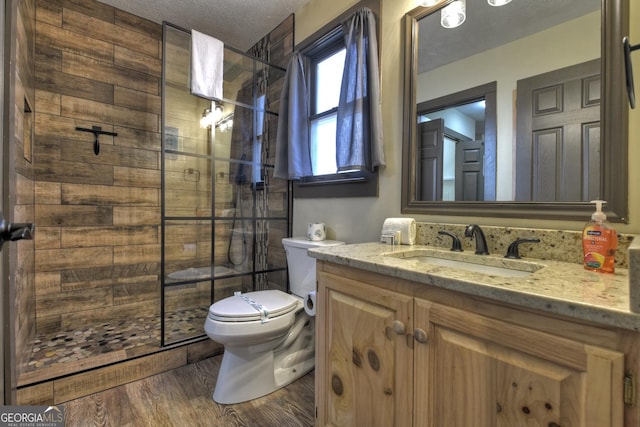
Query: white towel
{"x":406,"y":226}
{"x":207,"y":61}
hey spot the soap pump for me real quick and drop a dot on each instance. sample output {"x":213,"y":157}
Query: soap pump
{"x":599,"y":242}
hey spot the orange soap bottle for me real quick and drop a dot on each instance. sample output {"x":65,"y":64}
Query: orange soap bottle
{"x":599,"y":242}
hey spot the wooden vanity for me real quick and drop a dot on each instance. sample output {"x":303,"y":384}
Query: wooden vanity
{"x":421,"y":350}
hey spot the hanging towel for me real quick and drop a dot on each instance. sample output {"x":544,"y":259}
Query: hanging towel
{"x":293,"y":155}
{"x":207,"y":61}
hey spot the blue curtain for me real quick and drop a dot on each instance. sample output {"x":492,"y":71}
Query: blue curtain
{"x":359,"y":124}
{"x":293,"y":157}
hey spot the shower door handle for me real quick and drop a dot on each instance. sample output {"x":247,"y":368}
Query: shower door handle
{"x":10,"y":232}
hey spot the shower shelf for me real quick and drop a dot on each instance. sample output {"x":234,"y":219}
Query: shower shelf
{"x":191,"y":172}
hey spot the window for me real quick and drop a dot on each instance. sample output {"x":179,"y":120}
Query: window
{"x":326,"y":53}
{"x":326,"y":78}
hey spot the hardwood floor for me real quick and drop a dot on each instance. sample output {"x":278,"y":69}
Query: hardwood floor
{"x":182,"y":397}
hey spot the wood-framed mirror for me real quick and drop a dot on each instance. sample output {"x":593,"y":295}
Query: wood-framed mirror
{"x":609,"y":133}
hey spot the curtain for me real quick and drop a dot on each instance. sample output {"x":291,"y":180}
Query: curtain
{"x":359,"y":123}
{"x":293,"y":157}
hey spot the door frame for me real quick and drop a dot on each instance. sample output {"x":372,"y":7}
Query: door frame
{"x":487,"y":92}
{"x":7,"y":94}
{"x":4,"y":263}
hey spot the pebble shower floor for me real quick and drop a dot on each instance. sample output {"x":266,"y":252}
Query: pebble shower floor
{"x":74,"y":345}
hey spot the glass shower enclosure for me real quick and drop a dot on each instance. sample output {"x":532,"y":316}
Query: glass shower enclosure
{"x":223,"y":214}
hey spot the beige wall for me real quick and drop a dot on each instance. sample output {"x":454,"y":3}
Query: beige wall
{"x":360,"y":219}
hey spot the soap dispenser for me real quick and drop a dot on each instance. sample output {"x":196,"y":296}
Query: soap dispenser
{"x":599,"y":242}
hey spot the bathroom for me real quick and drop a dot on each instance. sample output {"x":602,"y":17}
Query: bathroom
{"x":63,"y":270}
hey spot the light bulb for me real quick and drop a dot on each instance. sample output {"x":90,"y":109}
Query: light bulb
{"x":498,"y":2}
{"x":217,"y":114}
{"x":454,"y":14}
{"x":205,"y":120}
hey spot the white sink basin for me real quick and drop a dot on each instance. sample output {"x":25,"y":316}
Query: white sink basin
{"x":482,"y":264}
{"x":474,"y":268}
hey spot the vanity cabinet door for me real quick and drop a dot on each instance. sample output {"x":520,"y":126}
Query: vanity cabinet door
{"x":480,"y":371}
{"x":363,"y":357}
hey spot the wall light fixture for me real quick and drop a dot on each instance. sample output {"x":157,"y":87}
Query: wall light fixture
{"x":209,"y":117}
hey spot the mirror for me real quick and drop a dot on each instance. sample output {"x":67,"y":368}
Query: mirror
{"x":431,"y":81}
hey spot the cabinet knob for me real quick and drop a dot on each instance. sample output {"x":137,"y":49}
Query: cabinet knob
{"x":420,"y":335}
{"x":398,"y":327}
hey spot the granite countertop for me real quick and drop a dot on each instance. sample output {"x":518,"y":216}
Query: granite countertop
{"x":555,"y":287}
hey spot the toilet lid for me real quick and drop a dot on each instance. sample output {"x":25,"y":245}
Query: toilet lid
{"x":253,"y":306}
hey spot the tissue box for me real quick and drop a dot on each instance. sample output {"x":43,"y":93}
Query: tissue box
{"x":406,"y":227}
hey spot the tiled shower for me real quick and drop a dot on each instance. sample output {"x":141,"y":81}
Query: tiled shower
{"x":221,"y":206}
{"x":126,"y":239}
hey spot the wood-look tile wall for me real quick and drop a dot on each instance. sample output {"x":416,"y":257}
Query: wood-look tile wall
{"x":98,"y":216}
{"x":97,"y":248}
{"x":22,"y":188}
{"x":276,"y":48}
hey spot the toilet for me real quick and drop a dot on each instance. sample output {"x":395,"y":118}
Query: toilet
{"x":268,"y":338}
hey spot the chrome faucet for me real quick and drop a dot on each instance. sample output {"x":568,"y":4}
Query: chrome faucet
{"x":474,"y":230}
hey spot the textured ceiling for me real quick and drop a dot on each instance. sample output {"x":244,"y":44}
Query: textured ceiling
{"x":238,"y":23}
{"x":487,"y":27}
{"x":241,"y":23}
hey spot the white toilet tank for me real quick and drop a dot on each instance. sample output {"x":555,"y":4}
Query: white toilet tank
{"x":302,"y":268}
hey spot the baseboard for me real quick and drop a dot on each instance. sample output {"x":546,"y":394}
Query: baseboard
{"x":71,"y":386}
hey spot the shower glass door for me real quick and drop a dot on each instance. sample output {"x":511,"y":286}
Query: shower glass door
{"x":223,"y":213}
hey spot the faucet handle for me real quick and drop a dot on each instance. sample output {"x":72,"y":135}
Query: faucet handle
{"x":512,"y":251}
{"x":456,"y":246}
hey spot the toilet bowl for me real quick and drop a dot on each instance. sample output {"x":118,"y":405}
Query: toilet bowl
{"x":269,"y":340}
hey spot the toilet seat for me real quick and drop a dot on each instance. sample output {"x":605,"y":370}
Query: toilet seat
{"x":252,"y":306}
